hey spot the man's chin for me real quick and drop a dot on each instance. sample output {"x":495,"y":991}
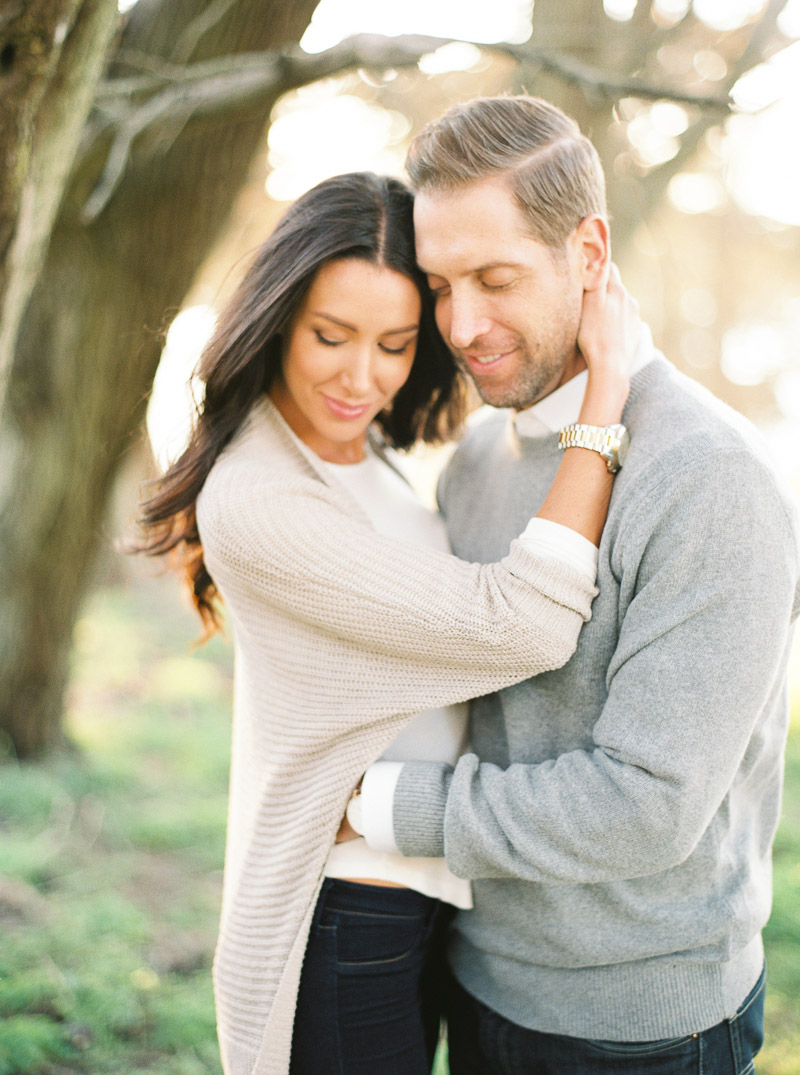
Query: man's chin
{"x":516,"y":397}
{"x":504,"y":401}
{"x":517,"y":392}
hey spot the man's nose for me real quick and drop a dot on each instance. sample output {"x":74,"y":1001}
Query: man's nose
{"x":467,"y":320}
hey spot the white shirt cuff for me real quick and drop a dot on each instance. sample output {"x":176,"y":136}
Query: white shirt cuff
{"x":377,"y":797}
{"x":546,"y":538}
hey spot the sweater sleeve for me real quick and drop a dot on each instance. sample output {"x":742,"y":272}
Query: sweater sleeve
{"x":434,"y":628}
{"x":709,"y":576}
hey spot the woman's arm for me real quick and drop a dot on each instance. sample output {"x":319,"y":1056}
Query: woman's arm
{"x":409,"y":628}
{"x":608,"y":339}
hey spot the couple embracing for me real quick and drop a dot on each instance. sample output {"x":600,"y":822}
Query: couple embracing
{"x":574,"y":869}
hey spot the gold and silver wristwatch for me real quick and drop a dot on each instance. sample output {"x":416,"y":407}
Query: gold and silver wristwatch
{"x":612,"y":442}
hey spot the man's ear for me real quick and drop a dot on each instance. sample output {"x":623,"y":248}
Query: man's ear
{"x":592,"y":249}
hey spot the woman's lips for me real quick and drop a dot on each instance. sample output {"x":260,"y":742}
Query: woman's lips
{"x":347,"y":411}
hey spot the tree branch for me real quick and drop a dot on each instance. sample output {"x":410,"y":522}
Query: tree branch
{"x":591,"y":78}
{"x":238,"y":85}
{"x":188,"y":40}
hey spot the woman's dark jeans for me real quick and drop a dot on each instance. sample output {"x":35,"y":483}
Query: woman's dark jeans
{"x":484,"y":1043}
{"x":371,"y":988}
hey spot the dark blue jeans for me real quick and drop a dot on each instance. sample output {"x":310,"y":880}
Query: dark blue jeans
{"x":484,"y":1043}
{"x":372,"y":983}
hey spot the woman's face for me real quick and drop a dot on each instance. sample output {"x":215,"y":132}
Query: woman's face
{"x":347,"y":351}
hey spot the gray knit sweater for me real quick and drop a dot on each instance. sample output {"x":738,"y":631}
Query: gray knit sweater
{"x":341,"y":636}
{"x":617,"y":815}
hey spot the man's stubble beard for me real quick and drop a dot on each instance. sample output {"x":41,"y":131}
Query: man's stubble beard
{"x":546,"y":353}
{"x":535,"y":379}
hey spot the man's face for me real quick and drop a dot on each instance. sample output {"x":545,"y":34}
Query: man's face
{"x":508,"y":306}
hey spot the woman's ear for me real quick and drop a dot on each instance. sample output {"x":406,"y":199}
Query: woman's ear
{"x":592,"y":248}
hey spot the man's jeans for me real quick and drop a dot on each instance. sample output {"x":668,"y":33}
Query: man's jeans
{"x":484,"y":1043}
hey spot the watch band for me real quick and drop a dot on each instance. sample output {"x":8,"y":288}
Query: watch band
{"x":610,"y":442}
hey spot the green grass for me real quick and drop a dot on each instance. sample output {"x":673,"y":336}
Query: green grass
{"x":781,"y":1054}
{"x":111,"y":857}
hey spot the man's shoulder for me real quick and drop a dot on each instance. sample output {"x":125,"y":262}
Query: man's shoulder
{"x":687,"y":443}
{"x":674,"y":421}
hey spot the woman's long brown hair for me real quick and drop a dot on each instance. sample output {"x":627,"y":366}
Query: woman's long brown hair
{"x":358,"y":215}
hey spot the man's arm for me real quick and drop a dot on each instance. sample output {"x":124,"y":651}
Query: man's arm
{"x":708,"y":570}
{"x":371,"y":815}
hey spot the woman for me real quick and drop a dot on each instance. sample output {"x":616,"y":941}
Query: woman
{"x":342,"y":633}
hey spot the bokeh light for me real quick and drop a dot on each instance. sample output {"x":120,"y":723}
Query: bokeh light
{"x":171,"y":407}
{"x":763,"y":151}
{"x":470,"y":20}
{"x":696,"y":192}
{"x":726,"y":14}
{"x":457,"y":56}
{"x":752,"y":353}
{"x":619,"y":10}
{"x":318,"y":132}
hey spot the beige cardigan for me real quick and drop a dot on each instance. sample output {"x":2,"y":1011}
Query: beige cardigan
{"x":341,"y":635}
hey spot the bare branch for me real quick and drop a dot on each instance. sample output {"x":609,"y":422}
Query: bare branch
{"x":199,"y":27}
{"x":144,"y":61}
{"x":591,"y":78}
{"x":233,"y":86}
{"x":238,"y":85}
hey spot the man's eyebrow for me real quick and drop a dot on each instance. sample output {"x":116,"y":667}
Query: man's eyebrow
{"x":515,"y":265}
{"x":500,"y":265}
{"x":353,"y":328}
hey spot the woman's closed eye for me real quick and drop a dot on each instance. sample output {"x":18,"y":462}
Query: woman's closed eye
{"x":396,"y":350}
{"x":326,"y":341}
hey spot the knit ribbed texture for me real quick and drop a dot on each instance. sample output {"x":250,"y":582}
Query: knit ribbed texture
{"x":616,"y":815}
{"x":341,"y":635}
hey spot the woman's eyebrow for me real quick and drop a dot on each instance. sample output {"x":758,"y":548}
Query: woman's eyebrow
{"x":397,"y":331}
{"x":354,"y":328}
{"x":336,"y":320}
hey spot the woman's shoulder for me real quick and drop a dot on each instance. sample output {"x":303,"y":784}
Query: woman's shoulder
{"x":260,"y":462}
{"x":263,"y":446}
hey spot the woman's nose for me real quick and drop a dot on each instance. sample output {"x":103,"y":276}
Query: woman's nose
{"x":357,"y":374}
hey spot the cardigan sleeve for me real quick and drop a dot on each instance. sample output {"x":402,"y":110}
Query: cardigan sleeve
{"x":292,"y":547}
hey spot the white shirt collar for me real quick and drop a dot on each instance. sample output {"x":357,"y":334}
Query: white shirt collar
{"x":563,"y":405}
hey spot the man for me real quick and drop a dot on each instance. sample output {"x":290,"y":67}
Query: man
{"x":615,"y":816}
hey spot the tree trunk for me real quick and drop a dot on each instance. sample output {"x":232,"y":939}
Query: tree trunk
{"x":90,"y":342}
{"x":52,"y":53}
{"x":29,"y":48}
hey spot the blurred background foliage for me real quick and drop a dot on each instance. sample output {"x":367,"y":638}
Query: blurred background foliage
{"x":158,"y":145}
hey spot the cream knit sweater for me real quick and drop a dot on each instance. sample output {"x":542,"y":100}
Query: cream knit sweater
{"x":341,"y":635}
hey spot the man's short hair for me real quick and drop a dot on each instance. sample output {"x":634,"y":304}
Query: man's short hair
{"x":554,"y":170}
